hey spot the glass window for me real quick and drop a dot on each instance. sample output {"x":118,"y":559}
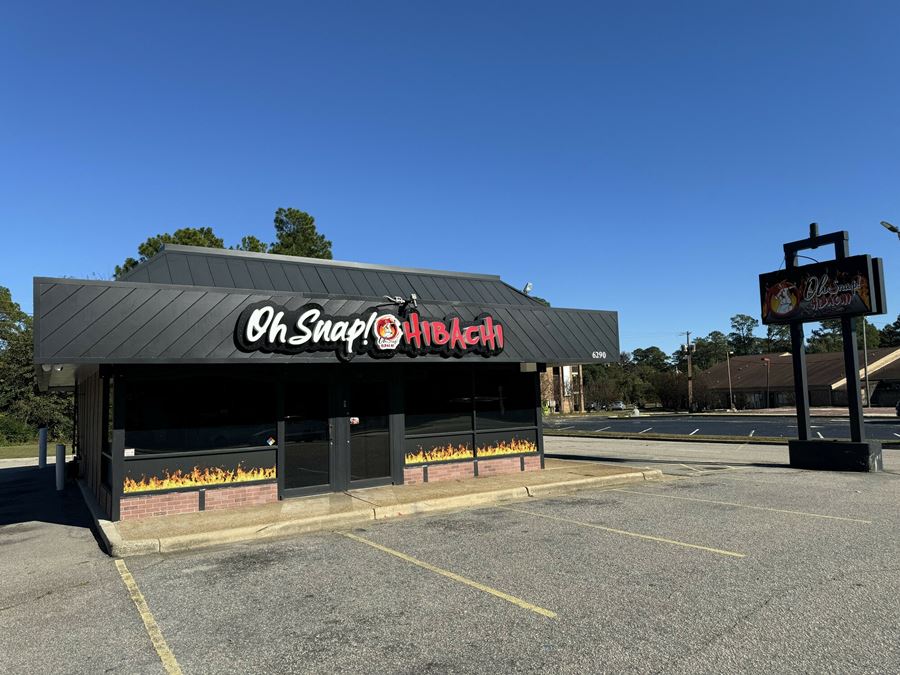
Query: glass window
{"x":439,"y":400}
{"x":438,"y":449}
{"x":506,"y":443}
{"x":198,"y":413}
{"x":504,"y":399}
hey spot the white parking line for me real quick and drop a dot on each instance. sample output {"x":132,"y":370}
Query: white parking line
{"x":820,"y":434}
{"x":693,"y":432}
{"x":571,"y":426}
{"x":647,"y":429}
{"x":604,"y":428}
{"x":752,"y":431}
{"x":897,"y":435}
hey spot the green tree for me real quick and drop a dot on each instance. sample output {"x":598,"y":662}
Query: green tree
{"x":19,"y":399}
{"x":252,"y":244}
{"x":709,"y":350}
{"x":889,"y":336}
{"x":651,"y":357}
{"x":12,"y":318}
{"x":296,"y":234}
{"x":186,"y":236}
{"x":828,"y":337}
{"x":778,"y":338}
{"x":741,"y":336}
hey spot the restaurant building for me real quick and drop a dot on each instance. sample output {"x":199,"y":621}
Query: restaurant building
{"x":208,"y":379}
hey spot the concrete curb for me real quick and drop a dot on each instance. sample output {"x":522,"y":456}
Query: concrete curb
{"x":109,"y":533}
{"x":550,"y":489}
{"x":119,"y":547}
{"x":450,"y":503}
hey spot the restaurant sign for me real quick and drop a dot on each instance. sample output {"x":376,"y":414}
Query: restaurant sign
{"x":269,"y":327}
{"x":829,"y":290}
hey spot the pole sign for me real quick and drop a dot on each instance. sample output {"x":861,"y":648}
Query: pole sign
{"x":852,"y":286}
{"x":269,"y":327}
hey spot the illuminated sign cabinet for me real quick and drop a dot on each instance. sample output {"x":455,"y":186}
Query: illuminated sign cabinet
{"x":229,"y":378}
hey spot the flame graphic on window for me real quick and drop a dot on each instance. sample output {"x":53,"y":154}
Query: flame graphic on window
{"x":450,"y":452}
{"x":197,"y":477}
{"x":445,"y":453}
{"x":514,"y":447}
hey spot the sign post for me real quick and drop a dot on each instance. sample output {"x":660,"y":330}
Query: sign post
{"x":844,"y":288}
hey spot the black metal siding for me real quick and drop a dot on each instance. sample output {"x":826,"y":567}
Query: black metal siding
{"x":133,"y":322}
{"x":228,"y":269}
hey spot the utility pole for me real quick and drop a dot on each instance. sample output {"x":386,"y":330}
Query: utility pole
{"x":689,"y":349}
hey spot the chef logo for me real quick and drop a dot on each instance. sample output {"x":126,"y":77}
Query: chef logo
{"x":387,"y":331}
{"x":783,"y":298}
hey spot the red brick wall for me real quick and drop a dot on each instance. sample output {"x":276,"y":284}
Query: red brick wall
{"x":459,"y":470}
{"x":413,"y":474}
{"x":169,"y":503}
{"x":532,"y":463}
{"x":144,"y":506}
{"x":451,"y":471}
{"x":241,"y":495}
{"x":494,"y":467}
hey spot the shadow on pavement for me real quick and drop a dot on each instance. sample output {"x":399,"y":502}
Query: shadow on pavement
{"x":28,"y":494}
{"x":636,"y":461}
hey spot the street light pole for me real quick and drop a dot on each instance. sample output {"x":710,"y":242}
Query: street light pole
{"x":690,"y":372}
{"x":866,"y":365}
{"x":767,"y":361}
{"x":730,"y":392}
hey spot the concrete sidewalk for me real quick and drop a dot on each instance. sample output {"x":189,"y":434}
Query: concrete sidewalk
{"x":352,"y":508}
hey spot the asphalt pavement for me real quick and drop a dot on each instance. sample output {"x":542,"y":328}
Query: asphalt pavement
{"x":735,"y":563}
{"x":885,"y":429}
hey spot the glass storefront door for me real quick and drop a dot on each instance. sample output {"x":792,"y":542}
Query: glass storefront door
{"x":307,"y":441}
{"x":370,"y":443}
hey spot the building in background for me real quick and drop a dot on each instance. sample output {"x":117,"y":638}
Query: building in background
{"x":753,"y":376}
{"x":562,"y":388}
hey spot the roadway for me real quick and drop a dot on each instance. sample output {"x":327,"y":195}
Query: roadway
{"x":885,"y":429}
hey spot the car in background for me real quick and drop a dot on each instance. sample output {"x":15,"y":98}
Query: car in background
{"x":617,"y":405}
{"x":898,"y":408}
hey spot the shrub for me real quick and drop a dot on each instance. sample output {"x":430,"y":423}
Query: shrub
{"x":13,"y":431}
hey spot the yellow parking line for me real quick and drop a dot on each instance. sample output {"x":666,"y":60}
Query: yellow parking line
{"x":456,"y":577}
{"x":627,"y":533}
{"x":156,"y":636}
{"x":745,"y":506}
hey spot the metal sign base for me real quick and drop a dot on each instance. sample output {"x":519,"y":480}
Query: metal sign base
{"x":836,"y":455}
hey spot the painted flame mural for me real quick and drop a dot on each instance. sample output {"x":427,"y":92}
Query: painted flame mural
{"x":198,"y":477}
{"x":444,"y":453}
{"x":514,"y":447}
{"x":449,"y":452}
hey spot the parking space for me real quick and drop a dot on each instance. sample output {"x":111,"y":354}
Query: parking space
{"x":760,"y":569}
{"x":753,"y":568}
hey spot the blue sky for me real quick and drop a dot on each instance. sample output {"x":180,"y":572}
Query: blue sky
{"x":649,"y":158}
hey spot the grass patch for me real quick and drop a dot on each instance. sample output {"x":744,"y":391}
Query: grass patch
{"x":19,"y":451}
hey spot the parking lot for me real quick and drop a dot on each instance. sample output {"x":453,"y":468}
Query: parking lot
{"x":744,"y":426}
{"x":747,"y":568}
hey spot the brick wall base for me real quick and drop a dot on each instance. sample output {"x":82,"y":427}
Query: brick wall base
{"x":145,"y":506}
{"x":249,"y":495}
{"x":459,"y":470}
{"x":170,"y":503}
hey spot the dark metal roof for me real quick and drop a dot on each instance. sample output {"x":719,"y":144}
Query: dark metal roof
{"x":748,"y":373}
{"x":222,"y":268}
{"x":80,"y":321}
